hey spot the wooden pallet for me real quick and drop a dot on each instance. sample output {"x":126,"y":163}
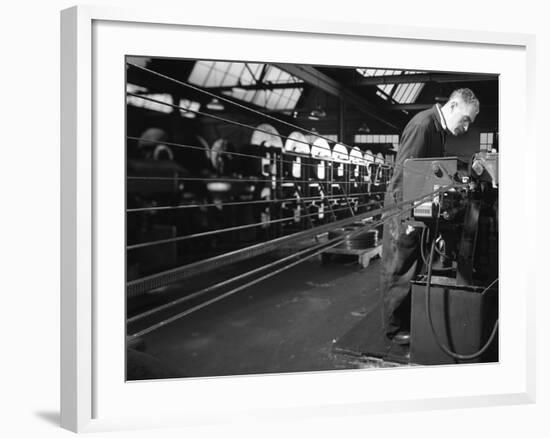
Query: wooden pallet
{"x":364,"y":256}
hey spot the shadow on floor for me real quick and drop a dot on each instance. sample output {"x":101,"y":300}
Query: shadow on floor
{"x":51,"y":417}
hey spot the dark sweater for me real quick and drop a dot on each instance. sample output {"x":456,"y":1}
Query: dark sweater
{"x":423,"y":137}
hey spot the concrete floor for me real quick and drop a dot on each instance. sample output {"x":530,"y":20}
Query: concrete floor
{"x":288,"y":323}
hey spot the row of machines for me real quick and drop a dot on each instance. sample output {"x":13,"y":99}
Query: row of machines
{"x":223,"y":196}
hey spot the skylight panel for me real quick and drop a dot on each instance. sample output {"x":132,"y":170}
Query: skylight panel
{"x":407,"y":93}
{"x":399,"y":92}
{"x":278,"y":76}
{"x":132,"y":88}
{"x":216,"y":74}
{"x":272,"y":75}
{"x":235,"y":71}
{"x":248,"y":75}
{"x":200,"y":72}
{"x":237,"y":93}
{"x":382,"y":95}
{"x":255,"y":70}
{"x":281,"y":99}
{"x":372,"y":72}
{"x":260,"y":98}
{"x":416,"y":92}
{"x":150,"y":105}
{"x":272,"y":99}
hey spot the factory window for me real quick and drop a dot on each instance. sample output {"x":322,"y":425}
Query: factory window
{"x":163,"y":104}
{"x":386,"y":89}
{"x":186,"y":104}
{"x":330,"y":137}
{"x":240,"y":75}
{"x":280,"y":99}
{"x":486,"y":141}
{"x":400,"y":93}
{"x":407,"y":93}
{"x":377,"y":138}
{"x":384,"y":72}
{"x":383,"y":95}
{"x":132,"y":88}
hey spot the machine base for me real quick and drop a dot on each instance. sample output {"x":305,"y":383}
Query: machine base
{"x":463,"y":318}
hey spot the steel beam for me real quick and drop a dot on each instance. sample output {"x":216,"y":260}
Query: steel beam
{"x":422,"y":78}
{"x":314,"y":77}
{"x":420,"y":106}
{"x":259,"y":86}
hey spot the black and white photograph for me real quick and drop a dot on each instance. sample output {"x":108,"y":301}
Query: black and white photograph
{"x":233,"y":219}
{"x":298,"y":218}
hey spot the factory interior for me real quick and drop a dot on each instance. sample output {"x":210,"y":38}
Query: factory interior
{"x":255,"y":213}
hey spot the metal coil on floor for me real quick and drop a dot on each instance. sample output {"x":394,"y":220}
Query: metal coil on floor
{"x":365,"y":240}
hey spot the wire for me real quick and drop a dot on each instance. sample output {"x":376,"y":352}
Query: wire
{"x":250,"y":180}
{"x":176,"y":274}
{"x":222,"y":119}
{"x":327,"y":159}
{"x":225,"y":152}
{"x":238,"y":277}
{"x":318,"y":249}
{"x":225,"y":230}
{"x":374,"y":213}
{"x":244,"y":125}
{"x":224,"y":99}
{"x":423,"y":239}
{"x":444,"y":348}
{"x":237,"y":203}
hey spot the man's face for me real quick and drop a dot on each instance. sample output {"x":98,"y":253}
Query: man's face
{"x":461,"y":116}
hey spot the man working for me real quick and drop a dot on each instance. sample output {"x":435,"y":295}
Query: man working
{"x":423,"y":137}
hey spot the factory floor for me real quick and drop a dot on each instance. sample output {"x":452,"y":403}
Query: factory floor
{"x":288,"y":323}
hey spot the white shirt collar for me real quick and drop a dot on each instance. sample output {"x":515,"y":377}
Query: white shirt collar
{"x":441,"y":118}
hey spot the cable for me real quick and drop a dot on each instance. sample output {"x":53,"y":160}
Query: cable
{"x":342,"y":238}
{"x":318,"y":249}
{"x":163,"y":278}
{"x":223,"y":283}
{"x":225,"y":230}
{"x":244,"y":125}
{"x":231,"y":204}
{"x":250,"y":180}
{"x":260,"y":157}
{"x":237,"y":154}
{"x":224,"y":99}
{"x":423,"y":239}
{"x":444,"y":348}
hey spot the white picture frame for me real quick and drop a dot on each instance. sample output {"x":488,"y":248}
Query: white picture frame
{"x":93,"y":398}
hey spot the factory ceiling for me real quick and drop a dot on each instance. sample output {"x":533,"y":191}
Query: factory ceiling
{"x":385,"y":98}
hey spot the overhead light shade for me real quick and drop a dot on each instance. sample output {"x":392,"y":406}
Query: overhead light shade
{"x":188,"y":114}
{"x":215,"y":105}
{"x":364,"y":129}
{"x":317,"y":113}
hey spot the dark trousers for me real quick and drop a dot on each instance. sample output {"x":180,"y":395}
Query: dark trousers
{"x":400,"y":264}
